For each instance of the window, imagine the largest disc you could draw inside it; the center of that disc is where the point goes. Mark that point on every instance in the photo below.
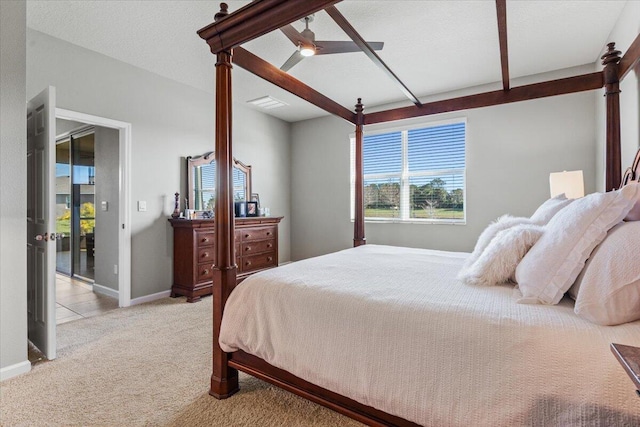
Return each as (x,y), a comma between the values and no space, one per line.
(415,174)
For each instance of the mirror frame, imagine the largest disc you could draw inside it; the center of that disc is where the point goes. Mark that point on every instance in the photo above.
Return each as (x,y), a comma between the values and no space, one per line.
(207,159)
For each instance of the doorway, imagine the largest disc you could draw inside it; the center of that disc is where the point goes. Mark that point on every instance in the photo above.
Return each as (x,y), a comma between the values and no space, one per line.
(112,220)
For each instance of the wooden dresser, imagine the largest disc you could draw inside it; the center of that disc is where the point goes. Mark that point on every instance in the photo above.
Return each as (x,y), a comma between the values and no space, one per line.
(194,252)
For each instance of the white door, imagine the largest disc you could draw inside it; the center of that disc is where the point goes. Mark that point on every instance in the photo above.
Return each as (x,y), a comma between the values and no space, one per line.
(41,224)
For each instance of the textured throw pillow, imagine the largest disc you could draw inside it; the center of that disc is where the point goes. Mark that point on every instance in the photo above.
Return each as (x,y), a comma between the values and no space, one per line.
(497,263)
(607,291)
(553,264)
(548,209)
(502,223)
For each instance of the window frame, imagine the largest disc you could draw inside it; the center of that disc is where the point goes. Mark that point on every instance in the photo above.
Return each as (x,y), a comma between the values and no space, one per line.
(405,175)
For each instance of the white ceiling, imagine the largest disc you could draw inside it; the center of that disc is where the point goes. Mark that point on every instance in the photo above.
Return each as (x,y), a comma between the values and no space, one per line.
(433,46)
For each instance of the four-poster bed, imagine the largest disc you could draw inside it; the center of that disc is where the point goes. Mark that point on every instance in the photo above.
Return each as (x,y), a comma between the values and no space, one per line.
(260,17)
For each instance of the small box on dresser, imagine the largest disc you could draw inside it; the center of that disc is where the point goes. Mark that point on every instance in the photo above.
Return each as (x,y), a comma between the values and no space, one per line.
(256,245)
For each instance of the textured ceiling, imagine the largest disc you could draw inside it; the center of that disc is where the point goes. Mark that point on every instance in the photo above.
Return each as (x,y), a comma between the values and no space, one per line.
(433,46)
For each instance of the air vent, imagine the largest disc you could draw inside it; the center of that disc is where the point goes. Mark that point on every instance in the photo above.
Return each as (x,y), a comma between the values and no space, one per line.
(267,103)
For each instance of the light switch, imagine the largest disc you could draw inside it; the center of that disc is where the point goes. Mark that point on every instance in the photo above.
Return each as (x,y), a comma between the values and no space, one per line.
(104,206)
(142,206)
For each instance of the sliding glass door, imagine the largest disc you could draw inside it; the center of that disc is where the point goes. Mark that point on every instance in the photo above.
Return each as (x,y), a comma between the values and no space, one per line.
(76,204)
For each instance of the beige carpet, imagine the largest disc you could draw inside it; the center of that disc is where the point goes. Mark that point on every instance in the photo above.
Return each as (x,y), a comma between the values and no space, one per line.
(146,365)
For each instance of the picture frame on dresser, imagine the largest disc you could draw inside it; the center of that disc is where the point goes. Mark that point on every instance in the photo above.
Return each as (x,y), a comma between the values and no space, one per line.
(252,209)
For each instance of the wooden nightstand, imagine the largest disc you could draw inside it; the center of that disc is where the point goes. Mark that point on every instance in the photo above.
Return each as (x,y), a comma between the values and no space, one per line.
(629,358)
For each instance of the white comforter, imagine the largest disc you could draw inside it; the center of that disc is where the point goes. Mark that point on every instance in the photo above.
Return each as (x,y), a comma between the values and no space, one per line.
(392,328)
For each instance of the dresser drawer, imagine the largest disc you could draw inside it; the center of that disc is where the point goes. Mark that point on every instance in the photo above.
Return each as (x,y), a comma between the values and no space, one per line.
(205,238)
(256,247)
(206,254)
(258,262)
(205,272)
(258,233)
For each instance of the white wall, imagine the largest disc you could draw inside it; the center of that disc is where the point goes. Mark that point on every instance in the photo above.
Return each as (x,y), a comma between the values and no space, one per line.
(13,199)
(511,149)
(169,121)
(626,30)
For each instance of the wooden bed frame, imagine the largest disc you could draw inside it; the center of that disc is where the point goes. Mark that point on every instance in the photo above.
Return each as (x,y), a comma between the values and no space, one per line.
(225,35)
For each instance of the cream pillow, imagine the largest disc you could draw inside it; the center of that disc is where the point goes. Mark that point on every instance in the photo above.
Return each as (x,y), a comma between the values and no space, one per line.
(548,209)
(553,264)
(634,213)
(502,223)
(607,291)
(497,263)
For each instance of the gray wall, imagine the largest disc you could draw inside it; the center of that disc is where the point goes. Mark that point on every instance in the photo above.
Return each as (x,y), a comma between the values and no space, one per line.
(13,196)
(106,189)
(169,121)
(63,126)
(511,149)
(625,31)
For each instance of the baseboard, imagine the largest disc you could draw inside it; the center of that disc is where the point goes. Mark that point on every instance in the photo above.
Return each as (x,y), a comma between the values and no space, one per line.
(15,370)
(284,263)
(149,298)
(103,290)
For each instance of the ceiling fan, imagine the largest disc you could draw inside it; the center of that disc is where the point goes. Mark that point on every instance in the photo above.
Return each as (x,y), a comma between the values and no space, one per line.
(308,46)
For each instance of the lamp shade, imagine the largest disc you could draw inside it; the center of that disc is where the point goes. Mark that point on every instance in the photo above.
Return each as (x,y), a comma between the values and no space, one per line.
(570,183)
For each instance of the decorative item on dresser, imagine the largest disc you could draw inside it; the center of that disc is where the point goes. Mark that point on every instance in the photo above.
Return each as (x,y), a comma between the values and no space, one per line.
(256,241)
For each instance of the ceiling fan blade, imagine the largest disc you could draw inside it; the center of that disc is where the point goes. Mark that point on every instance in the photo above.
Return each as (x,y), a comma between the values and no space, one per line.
(328,47)
(293,60)
(294,35)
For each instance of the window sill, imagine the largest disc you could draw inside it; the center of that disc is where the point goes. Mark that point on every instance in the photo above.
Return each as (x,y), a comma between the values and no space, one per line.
(413,221)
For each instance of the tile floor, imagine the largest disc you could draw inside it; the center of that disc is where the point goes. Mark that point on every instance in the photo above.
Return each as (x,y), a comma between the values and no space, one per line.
(75,300)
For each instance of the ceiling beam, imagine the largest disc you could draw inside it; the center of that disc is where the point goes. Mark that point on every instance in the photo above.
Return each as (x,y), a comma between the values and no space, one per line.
(522,93)
(362,44)
(501,8)
(255,19)
(261,68)
(630,59)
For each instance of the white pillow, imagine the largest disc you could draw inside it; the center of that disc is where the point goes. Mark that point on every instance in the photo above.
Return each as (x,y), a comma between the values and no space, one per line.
(607,291)
(497,264)
(548,209)
(553,264)
(634,213)
(502,223)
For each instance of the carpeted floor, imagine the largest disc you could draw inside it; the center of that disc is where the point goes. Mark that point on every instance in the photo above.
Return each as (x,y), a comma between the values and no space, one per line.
(147,365)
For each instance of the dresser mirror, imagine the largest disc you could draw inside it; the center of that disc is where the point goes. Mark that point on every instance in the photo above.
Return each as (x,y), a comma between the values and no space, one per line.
(201,181)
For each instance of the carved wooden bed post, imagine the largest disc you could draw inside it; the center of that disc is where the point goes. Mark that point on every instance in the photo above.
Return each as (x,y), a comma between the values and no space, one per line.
(358,225)
(224,380)
(610,61)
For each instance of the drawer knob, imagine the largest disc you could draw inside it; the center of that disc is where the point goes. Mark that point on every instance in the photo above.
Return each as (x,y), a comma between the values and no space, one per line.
(247,263)
(269,245)
(205,239)
(205,272)
(268,233)
(247,248)
(205,255)
(270,259)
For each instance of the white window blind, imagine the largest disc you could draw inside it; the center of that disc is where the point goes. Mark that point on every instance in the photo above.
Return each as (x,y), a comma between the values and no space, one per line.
(415,174)
(205,195)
